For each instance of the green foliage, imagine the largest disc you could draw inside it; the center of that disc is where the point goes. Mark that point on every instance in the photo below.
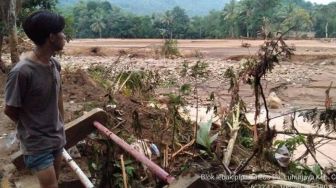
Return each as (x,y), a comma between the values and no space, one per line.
(290,143)
(69,30)
(130,172)
(170,49)
(200,69)
(230,14)
(231,75)
(203,135)
(249,18)
(40,4)
(185,89)
(137,82)
(180,22)
(298,19)
(319,118)
(98,73)
(2,28)
(148,7)
(98,23)
(185,68)
(308,174)
(30,6)
(245,137)
(176,100)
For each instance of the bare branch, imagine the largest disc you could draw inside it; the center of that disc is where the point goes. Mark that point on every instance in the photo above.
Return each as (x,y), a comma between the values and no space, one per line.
(306,134)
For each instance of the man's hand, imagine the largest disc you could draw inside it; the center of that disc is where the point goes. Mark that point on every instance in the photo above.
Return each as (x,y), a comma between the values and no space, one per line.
(12,113)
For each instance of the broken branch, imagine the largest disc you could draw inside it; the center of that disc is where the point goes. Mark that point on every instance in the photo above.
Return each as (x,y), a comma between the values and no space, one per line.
(183,147)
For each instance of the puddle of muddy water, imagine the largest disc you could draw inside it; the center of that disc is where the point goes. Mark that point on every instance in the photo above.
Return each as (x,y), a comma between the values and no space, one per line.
(324,153)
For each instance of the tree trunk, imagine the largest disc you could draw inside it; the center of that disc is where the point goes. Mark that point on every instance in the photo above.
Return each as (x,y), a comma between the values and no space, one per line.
(2,29)
(13,40)
(1,39)
(326,30)
(232,32)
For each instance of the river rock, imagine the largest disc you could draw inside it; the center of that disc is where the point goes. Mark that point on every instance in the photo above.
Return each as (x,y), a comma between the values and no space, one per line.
(273,101)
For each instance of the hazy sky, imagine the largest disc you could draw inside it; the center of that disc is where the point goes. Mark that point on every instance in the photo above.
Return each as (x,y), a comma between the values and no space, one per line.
(321,1)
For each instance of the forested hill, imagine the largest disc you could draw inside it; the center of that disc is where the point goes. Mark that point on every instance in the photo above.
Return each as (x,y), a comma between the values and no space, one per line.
(236,18)
(147,7)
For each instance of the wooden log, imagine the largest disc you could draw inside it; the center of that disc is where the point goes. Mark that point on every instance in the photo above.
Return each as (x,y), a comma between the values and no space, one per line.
(75,131)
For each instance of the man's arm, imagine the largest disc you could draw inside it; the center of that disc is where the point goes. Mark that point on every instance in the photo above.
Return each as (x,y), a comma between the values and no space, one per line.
(12,112)
(60,104)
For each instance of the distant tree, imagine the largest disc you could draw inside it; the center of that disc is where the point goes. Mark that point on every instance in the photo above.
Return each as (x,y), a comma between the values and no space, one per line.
(69,30)
(230,16)
(246,11)
(215,26)
(325,20)
(29,6)
(238,18)
(298,19)
(98,23)
(92,5)
(106,6)
(143,27)
(168,20)
(180,22)
(40,4)
(196,27)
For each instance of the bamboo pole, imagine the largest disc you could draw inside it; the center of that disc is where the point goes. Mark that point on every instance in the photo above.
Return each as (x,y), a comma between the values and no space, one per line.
(234,128)
(122,164)
(82,177)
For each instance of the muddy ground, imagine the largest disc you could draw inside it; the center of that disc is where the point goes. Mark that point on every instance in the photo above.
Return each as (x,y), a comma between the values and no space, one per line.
(300,82)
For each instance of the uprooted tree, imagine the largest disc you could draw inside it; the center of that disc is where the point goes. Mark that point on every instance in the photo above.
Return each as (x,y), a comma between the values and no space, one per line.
(11,13)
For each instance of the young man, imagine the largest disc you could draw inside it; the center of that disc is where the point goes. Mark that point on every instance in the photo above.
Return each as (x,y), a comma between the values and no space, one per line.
(34,98)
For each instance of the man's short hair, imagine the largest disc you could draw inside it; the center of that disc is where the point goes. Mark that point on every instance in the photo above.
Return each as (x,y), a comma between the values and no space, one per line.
(39,25)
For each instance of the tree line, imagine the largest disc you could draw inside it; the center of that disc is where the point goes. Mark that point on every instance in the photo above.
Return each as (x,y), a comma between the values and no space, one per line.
(244,18)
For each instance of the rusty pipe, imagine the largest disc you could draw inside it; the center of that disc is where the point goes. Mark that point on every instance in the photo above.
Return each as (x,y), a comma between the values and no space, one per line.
(154,168)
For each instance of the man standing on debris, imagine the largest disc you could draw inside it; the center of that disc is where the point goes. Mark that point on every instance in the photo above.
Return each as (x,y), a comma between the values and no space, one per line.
(34,98)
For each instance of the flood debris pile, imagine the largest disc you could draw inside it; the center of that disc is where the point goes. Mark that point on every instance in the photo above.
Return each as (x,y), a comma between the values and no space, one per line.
(212,145)
(189,130)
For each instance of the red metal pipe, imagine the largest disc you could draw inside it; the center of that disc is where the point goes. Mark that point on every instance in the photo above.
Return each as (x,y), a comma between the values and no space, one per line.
(154,168)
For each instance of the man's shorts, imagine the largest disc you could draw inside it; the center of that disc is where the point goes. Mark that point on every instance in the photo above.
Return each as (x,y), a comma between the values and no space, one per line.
(41,161)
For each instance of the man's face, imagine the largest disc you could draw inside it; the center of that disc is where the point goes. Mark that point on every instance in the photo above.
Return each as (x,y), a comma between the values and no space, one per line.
(58,40)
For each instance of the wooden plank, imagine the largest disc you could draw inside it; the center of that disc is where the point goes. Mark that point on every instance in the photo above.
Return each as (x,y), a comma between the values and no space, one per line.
(4,182)
(81,127)
(75,131)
